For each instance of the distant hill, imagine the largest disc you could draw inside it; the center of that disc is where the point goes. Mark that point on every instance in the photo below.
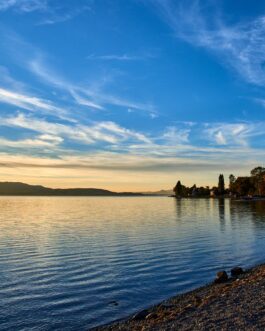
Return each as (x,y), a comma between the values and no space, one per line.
(161,192)
(16,188)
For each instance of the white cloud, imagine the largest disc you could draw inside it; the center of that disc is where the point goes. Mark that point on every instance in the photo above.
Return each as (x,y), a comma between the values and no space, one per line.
(122,132)
(233,133)
(108,132)
(219,138)
(226,147)
(28,102)
(28,143)
(51,138)
(175,135)
(84,101)
(241,45)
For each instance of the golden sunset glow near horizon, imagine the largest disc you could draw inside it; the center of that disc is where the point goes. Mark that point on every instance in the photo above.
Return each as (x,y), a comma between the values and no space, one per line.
(112,172)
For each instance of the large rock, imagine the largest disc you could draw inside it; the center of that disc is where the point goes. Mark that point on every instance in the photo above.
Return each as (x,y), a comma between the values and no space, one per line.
(221,277)
(237,271)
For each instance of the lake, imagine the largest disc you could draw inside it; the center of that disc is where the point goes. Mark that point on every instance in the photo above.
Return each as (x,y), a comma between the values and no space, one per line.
(74,263)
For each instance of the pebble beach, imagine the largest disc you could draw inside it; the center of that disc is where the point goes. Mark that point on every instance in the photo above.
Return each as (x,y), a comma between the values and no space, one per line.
(237,303)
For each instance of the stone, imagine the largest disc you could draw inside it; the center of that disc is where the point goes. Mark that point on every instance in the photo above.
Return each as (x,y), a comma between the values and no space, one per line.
(237,271)
(196,300)
(151,316)
(140,316)
(221,277)
(113,303)
(166,305)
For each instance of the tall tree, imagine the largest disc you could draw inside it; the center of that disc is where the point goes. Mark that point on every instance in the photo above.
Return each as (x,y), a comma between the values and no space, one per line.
(178,190)
(221,184)
(258,176)
(258,171)
(244,186)
(232,180)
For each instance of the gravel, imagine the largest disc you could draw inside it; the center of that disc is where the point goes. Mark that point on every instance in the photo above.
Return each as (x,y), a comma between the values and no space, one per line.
(238,304)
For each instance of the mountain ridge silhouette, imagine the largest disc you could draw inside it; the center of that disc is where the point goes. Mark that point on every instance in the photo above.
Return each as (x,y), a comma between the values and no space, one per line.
(22,189)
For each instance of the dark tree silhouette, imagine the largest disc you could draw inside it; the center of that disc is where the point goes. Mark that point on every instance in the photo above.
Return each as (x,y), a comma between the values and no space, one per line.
(258,176)
(232,180)
(258,171)
(221,184)
(250,186)
(178,189)
(244,186)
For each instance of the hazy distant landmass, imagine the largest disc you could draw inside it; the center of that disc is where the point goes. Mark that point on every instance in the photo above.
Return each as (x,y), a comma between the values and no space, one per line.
(16,188)
(161,192)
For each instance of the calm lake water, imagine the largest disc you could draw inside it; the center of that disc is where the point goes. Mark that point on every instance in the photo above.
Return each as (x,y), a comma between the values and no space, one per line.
(64,262)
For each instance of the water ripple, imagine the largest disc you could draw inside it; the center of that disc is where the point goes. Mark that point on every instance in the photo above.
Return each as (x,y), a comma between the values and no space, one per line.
(73,263)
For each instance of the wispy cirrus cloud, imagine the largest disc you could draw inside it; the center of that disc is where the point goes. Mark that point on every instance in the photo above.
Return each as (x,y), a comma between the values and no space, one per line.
(31,103)
(177,150)
(24,6)
(240,45)
(84,101)
(96,98)
(174,135)
(94,94)
(232,134)
(38,142)
(8,81)
(108,132)
(123,57)
(52,12)
(56,16)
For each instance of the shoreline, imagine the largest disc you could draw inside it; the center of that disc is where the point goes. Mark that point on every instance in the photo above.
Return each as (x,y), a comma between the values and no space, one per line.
(238,303)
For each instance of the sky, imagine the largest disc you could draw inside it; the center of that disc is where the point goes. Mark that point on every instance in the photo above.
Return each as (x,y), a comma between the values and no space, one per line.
(131,95)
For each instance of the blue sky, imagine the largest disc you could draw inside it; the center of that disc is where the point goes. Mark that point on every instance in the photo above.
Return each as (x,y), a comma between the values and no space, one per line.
(130,95)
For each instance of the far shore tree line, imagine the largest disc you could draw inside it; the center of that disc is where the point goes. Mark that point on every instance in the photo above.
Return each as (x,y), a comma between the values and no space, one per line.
(253,185)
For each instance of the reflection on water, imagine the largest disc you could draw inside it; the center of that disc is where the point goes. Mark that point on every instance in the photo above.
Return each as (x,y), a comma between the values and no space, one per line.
(222,216)
(65,261)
